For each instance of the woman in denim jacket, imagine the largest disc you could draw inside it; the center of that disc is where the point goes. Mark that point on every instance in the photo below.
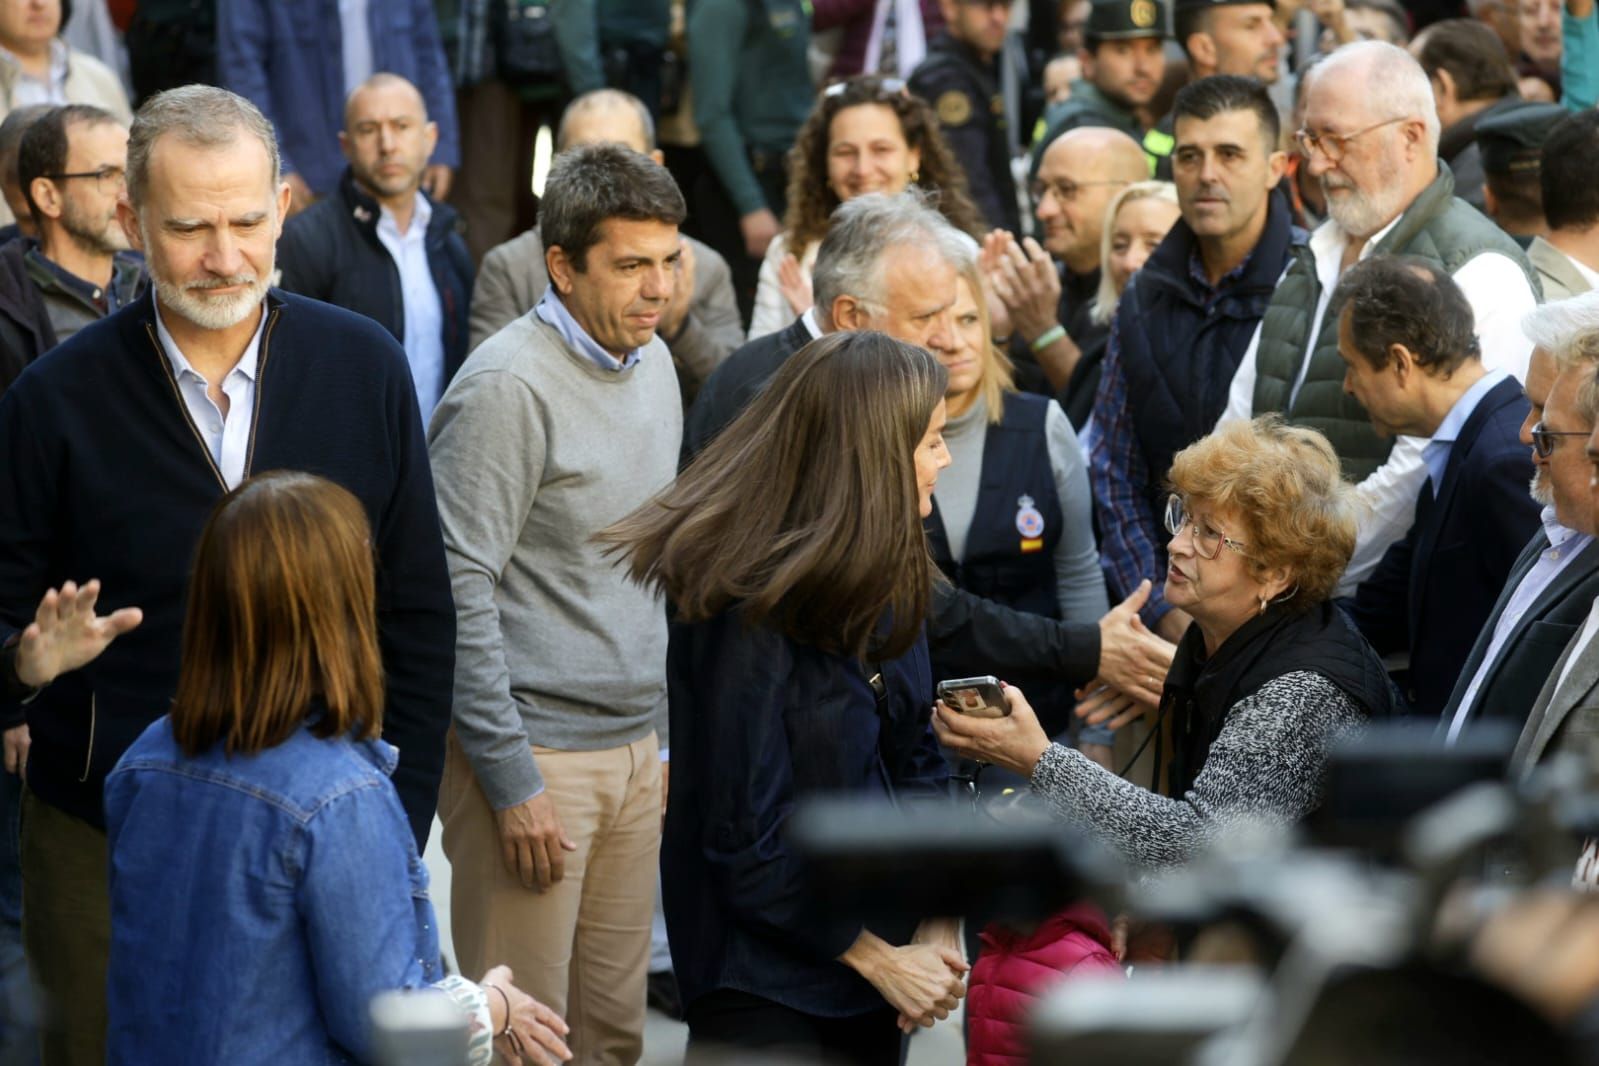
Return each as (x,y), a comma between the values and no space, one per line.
(264,883)
(793,556)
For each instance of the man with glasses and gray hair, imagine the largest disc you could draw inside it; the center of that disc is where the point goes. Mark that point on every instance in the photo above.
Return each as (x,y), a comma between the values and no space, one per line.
(70,167)
(1370,137)
(1555,580)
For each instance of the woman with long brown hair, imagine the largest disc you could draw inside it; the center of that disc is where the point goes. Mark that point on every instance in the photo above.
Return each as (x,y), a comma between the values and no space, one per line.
(265,885)
(865,135)
(793,556)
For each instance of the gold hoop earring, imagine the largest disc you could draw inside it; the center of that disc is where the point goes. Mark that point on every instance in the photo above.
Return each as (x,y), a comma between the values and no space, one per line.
(916,175)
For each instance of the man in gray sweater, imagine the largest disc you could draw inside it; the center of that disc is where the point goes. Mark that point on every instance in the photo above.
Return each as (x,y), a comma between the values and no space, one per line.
(560,424)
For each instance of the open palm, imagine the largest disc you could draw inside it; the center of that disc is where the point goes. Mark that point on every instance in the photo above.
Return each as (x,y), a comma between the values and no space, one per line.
(66,633)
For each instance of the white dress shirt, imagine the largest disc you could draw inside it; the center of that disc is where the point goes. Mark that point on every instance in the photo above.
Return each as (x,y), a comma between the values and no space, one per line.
(1564,545)
(423,312)
(226,436)
(1499,294)
(1589,275)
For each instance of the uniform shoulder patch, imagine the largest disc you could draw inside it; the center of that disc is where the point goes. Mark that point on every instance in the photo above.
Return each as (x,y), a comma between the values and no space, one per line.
(954,108)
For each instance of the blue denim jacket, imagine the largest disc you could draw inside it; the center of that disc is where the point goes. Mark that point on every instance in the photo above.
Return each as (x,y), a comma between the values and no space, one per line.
(759,724)
(259,902)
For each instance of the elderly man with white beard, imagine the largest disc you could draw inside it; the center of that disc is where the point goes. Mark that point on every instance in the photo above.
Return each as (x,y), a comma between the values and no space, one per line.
(120,442)
(1370,137)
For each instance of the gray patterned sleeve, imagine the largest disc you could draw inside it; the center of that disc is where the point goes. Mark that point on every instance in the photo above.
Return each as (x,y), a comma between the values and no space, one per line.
(1265,764)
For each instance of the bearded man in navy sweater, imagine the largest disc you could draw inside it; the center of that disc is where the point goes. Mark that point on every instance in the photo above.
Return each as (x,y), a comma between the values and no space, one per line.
(117,446)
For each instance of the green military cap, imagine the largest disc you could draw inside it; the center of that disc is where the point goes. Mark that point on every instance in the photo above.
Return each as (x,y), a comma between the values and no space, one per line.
(1113,20)
(1511,142)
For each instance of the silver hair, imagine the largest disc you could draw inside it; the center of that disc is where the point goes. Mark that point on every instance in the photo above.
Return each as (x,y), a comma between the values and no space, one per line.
(1394,82)
(600,100)
(1567,329)
(200,115)
(850,259)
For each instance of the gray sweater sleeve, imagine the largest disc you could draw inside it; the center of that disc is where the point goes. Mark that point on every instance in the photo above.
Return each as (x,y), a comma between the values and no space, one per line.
(1265,764)
(1079,582)
(486,442)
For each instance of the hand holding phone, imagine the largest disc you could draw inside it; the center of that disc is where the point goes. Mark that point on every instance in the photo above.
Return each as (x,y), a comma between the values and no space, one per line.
(979,697)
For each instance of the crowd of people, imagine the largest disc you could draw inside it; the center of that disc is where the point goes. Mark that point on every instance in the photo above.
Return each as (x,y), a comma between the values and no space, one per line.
(1224,376)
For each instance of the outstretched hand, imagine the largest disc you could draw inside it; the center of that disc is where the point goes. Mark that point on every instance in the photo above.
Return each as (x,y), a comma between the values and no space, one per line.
(66,633)
(1131,658)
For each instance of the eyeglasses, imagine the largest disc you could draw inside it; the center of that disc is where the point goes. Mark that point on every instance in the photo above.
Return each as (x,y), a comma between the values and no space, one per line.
(1544,440)
(1207,541)
(885,87)
(1065,191)
(108,179)
(1334,145)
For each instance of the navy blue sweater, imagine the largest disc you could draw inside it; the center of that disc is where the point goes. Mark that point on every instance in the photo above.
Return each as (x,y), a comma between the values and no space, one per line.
(761,723)
(103,475)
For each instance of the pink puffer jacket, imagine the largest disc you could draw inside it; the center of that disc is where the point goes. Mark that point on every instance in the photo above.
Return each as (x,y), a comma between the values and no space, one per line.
(1015,968)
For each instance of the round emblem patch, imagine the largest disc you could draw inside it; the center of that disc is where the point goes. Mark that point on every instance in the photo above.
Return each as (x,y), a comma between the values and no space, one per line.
(1029,523)
(954,107)
(1143,13)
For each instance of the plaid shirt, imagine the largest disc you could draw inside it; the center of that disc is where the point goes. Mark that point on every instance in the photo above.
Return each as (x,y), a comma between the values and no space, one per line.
(1132,546)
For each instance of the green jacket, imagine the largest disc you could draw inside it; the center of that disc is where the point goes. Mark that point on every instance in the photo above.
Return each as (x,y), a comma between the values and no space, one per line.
(752,85)
(1437,227)
(1090,107)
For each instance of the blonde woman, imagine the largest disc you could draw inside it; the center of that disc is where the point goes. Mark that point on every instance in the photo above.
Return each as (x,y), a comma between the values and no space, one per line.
(1012,518)
(1136,221)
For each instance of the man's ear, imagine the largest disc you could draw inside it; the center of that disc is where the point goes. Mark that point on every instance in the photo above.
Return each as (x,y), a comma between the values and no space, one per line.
(1201,49)
(285,199)
(559,267)
(129,218)
(430,133)
(848,313)
(47,196)
(344,145)
(1276,167)
(1402,361)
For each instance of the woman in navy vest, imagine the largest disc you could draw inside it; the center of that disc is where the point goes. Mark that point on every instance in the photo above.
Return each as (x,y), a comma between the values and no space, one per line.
(1012,517)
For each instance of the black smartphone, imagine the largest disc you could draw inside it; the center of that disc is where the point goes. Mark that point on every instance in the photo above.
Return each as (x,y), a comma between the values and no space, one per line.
(980,697)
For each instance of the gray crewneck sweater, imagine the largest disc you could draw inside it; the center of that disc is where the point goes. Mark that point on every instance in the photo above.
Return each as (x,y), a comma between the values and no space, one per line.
(535,449)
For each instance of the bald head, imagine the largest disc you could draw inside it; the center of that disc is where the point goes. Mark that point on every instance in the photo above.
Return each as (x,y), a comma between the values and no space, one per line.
(1081,171)
(606,116)
(1372,81)
(391,89)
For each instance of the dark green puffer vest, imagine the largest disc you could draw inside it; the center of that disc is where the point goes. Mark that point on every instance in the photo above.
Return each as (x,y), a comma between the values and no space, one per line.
(1437,227)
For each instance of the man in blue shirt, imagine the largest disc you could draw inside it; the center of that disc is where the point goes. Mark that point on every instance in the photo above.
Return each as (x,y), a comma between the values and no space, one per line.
(381,246)
(1412,358)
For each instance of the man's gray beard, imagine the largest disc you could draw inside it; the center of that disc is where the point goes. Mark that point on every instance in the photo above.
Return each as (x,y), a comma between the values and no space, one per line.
(1360,214)
(211,312)
(1542,492)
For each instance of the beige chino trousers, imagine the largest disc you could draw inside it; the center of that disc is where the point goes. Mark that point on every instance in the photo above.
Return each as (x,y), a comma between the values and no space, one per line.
(583,947)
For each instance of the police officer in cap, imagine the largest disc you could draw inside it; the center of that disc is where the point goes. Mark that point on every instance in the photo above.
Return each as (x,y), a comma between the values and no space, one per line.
(1238,37)
(1123,65)
(961,78)
(1511,144)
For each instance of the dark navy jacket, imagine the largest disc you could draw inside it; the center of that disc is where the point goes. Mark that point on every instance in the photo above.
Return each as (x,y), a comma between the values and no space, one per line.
(286,57)
(760,723)
(1180,346)
(1002,563)
(105,476)
(331,252)
(1434,589)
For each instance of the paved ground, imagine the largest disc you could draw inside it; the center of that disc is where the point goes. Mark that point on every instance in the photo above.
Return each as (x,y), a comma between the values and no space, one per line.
(663,1037)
